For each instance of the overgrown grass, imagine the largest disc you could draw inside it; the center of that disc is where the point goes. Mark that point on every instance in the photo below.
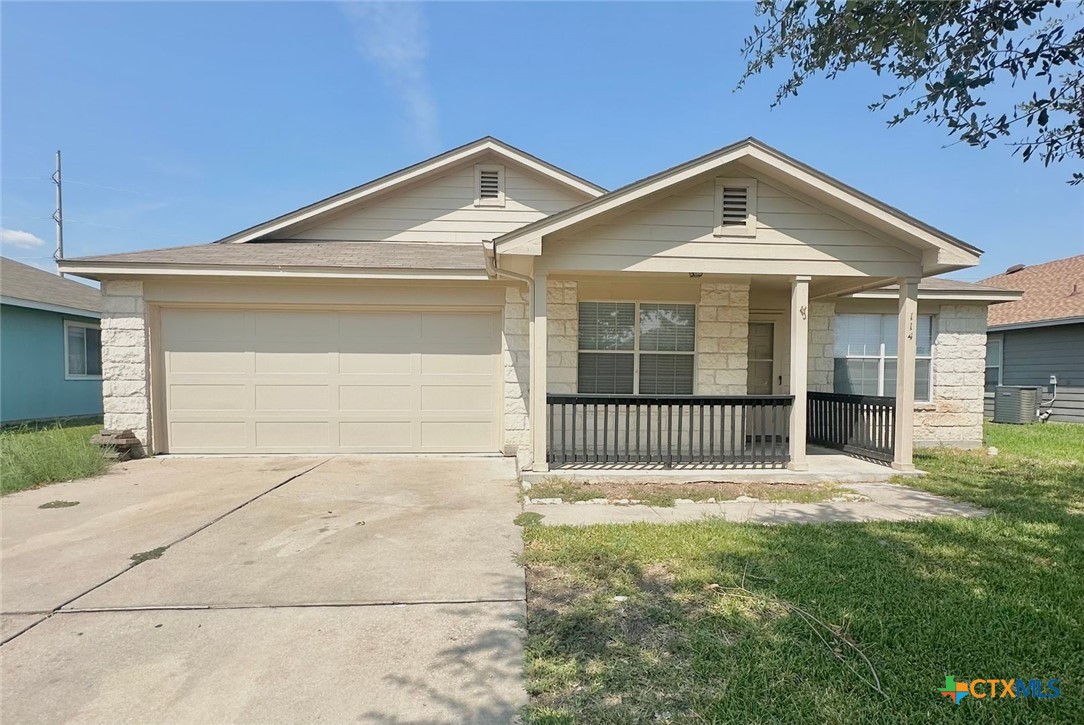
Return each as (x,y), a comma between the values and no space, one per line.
(708,632)
(665,494)
(31,457)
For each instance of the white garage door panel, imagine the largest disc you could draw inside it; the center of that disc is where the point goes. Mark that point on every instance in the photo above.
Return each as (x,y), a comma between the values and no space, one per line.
(290,381)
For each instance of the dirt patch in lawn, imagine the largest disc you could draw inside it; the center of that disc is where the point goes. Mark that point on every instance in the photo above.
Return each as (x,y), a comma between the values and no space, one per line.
(667,494)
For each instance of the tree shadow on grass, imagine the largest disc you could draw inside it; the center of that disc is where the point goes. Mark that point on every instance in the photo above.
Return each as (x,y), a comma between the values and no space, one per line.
(993,597)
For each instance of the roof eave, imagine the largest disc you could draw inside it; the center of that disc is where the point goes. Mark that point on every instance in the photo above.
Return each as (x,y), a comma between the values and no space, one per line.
(99,270)
(1079,319)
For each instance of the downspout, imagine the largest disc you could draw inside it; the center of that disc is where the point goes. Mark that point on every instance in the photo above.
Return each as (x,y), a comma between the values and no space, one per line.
(489,252)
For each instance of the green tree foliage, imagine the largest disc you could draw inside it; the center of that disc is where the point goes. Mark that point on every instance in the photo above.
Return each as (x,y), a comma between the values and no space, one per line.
(945,58)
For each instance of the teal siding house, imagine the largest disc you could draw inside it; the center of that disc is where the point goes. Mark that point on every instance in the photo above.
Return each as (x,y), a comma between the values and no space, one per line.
(50,346)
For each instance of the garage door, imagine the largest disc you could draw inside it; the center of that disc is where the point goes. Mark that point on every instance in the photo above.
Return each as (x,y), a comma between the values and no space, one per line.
(293,381)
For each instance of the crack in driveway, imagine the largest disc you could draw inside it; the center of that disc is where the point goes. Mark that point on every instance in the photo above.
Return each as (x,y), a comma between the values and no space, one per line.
(140,557)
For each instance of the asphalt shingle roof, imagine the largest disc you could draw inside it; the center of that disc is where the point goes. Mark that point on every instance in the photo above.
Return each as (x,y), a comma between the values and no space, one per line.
(330,254)
(1052,291)
(22,282)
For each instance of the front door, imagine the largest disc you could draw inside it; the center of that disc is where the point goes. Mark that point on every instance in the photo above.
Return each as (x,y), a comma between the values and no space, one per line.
(761,358)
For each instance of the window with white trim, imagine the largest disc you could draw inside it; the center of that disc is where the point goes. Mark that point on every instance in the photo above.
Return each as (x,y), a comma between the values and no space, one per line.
(735,207)
(82,350)
(489,185)
(994,351)
(866,354)
(636,348)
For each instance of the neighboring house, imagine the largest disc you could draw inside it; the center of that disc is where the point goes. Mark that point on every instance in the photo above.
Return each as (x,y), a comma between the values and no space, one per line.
(1040,336)
(487,301)
(50,346)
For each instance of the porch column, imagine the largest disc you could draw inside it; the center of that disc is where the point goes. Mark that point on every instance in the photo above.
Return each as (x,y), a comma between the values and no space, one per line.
(539,338)
(906,336)
(799,369)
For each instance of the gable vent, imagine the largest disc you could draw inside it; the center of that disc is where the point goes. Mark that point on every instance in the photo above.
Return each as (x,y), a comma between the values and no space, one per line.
(489,184)
(735,206)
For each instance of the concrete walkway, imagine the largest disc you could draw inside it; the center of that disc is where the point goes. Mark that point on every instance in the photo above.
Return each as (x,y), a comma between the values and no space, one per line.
(888,502)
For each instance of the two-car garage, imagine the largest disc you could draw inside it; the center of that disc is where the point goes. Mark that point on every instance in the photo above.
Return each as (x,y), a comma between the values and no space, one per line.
(307,379)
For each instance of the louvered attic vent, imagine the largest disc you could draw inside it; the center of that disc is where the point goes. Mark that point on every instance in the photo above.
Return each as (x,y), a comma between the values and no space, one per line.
(735,206)
(489,184)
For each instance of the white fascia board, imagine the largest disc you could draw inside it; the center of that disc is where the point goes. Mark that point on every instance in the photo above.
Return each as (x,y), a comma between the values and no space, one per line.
(1038,323)
(96,271)
(47,307)
(942,296)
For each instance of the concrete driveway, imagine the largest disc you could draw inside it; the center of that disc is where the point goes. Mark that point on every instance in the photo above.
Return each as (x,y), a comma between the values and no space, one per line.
(271,590)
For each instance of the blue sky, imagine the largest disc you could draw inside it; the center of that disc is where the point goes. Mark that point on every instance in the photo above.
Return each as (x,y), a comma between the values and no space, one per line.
(183,122)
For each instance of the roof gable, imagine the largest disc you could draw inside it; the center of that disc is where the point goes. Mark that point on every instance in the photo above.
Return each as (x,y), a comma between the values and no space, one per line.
(485,148)
(941,252)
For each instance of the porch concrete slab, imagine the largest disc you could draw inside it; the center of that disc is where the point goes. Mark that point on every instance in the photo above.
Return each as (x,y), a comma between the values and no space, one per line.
(419,664)
(355,530)
(50,556)
(15,624)
(824,466)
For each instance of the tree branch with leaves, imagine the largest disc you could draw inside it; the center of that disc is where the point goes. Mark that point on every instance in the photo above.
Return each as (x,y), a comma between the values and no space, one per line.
(945,58)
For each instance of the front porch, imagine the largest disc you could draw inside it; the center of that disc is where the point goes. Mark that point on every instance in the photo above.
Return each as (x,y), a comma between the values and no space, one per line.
(703,433)
(736,375)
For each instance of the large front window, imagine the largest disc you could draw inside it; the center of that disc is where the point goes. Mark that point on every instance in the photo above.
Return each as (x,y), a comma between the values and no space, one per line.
(866,353)
(636,348)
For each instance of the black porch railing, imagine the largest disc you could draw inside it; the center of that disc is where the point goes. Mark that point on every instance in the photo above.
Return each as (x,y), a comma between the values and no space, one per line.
(668,430)
(863,425)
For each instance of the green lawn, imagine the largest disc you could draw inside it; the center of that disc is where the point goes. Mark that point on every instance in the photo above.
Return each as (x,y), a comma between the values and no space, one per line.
(31,457)
(721,625)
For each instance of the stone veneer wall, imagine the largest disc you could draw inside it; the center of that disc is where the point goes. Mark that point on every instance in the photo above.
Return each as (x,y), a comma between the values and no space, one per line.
(516,356)
(125,398)
(822,360)
(563,336)
(722,338)
(954,416)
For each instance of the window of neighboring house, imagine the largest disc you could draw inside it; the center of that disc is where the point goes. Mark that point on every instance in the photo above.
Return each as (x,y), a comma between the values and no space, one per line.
(865,355)
(489,185)
(993,362)
(735,207)
(83,350)
(636,348)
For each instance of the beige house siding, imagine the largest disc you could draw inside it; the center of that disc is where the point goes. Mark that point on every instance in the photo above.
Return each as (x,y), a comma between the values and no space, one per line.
(954,416)
(125,397)
(722,338)
(676,234)
(443,210)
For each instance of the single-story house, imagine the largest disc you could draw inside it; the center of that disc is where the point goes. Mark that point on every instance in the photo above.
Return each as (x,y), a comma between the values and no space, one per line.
(50,346)
(1039,339)
(729,311)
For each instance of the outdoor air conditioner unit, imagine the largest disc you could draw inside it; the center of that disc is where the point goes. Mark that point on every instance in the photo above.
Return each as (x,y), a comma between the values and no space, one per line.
(1015,404)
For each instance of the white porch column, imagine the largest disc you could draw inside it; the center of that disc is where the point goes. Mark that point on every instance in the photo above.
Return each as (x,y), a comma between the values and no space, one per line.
(539,338)
(799,369)
(906,336)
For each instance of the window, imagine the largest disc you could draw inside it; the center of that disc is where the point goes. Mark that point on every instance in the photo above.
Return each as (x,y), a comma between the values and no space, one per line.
(865,355)
(993,362)
(82,350)
(489,185)
(735,207)
(630,348)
